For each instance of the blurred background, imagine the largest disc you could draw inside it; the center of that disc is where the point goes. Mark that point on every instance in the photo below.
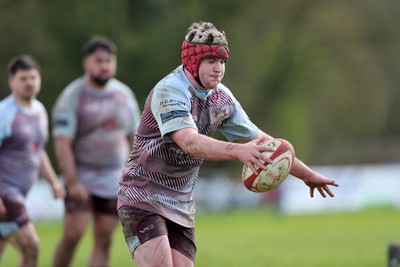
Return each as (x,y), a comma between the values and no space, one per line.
(323,74)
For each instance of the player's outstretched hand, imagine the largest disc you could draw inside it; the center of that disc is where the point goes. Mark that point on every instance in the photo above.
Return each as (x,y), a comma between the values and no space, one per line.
(321,184)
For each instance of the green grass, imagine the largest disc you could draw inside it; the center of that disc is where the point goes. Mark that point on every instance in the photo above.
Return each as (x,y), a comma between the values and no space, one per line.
(260,238)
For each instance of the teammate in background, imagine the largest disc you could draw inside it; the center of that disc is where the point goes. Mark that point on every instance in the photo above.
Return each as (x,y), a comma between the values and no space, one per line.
(155,200)
(94,122)
(393,255)
(23,136)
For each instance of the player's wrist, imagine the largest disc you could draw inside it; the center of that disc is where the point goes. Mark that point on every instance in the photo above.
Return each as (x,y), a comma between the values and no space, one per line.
(71,182)
(233,151)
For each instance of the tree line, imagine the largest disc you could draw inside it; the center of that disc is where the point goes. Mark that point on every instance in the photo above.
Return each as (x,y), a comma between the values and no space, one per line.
(322,74)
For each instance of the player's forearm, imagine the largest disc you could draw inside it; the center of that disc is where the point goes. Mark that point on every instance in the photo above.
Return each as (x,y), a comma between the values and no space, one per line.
(301,170)
(212,149)
(65,159)
(204,147)
(46,171)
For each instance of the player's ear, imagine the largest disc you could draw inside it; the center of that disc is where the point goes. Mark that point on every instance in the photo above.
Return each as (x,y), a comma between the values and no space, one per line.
(10,82)
(85,62)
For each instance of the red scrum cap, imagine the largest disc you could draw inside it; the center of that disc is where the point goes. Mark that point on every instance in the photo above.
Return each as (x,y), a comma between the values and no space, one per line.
(203,40)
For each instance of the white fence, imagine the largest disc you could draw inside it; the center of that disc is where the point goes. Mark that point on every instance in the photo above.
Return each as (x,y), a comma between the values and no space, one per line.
(360,186)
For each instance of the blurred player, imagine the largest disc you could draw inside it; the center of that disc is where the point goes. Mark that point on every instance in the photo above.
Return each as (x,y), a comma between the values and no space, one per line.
(23,136)
(94,121)
(155,199)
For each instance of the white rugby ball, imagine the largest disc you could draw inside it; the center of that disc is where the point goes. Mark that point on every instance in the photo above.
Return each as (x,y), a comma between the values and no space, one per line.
(276,172)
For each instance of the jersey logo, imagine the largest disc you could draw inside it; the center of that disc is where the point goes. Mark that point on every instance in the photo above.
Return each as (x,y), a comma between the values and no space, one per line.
(35,147)
(147,228)
(173,114)
(110,124)
(61,122)
(218,113)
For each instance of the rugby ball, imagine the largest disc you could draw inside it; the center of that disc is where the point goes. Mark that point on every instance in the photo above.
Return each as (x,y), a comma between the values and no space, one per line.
(282,157)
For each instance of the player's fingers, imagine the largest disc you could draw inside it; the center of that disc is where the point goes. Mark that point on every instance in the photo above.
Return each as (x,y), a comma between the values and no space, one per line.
(264,159)
(321,192)
(326,188)
(311,191)
(259,165)
(267,148)
(334,184)
(253,168)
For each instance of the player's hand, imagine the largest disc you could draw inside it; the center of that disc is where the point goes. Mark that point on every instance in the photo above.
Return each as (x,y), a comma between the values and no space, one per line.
(77,192)
(2,208)
(58,190)
(251,153)
(321,184)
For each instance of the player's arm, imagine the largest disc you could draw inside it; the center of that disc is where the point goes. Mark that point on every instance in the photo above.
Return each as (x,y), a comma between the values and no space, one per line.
(201,146)
(47,172)
(312,179)
(2,207)
(261,136)
(131,139)
(66,162)
(309,177)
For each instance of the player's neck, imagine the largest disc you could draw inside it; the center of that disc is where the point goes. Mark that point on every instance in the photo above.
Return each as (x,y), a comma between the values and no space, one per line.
(193,81)
(90,83)
(24,102)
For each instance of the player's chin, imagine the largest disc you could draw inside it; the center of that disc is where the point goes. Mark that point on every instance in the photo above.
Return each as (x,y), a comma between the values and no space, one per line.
(212,84)
(101,80)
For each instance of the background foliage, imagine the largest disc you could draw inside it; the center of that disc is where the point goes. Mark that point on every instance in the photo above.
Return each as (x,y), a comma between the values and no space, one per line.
(323,74)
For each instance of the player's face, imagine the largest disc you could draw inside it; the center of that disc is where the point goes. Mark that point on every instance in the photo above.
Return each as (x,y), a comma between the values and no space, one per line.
(211,72)
(25,84)
(100,66)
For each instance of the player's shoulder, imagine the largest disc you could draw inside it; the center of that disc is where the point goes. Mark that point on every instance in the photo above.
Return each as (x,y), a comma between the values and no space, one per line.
(117,85)
(8,109)
(74,87)
(173,84)
(4,102)
(222,89)
(7,104)
(38,105)
(114,82)
(72,90)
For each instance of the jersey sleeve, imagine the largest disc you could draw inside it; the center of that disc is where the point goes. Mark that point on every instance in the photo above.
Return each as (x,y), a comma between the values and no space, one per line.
(64,117)
(239,126)
(171,109)
(7,114)
(134,110)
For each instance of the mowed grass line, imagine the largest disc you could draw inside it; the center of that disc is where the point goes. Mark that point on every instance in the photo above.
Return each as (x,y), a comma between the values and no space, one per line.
(259,238)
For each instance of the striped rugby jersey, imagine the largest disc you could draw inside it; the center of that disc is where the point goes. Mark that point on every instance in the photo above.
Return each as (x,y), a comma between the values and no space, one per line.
(159,176)
(23,136)
(98,122)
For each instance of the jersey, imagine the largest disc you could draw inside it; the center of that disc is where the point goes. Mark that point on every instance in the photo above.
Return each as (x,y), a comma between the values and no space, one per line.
(159,176)
(23,136)
(98,122)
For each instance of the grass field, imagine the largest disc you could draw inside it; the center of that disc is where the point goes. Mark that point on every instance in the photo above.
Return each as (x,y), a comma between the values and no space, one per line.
(259,238)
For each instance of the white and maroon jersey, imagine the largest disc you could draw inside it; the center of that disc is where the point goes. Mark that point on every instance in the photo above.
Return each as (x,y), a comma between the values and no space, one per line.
(23,135)
(99,122)
(159,176)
